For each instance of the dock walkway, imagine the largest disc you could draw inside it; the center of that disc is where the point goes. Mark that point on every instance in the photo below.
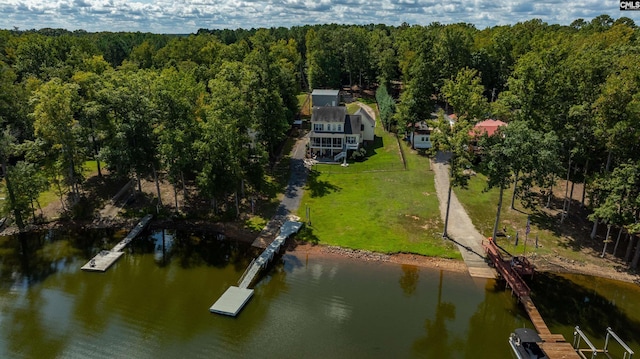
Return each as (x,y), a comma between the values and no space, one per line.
(234,299)
(105,259)
(555,346)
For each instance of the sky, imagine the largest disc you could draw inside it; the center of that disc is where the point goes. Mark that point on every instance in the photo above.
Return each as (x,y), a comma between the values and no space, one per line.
(187,16)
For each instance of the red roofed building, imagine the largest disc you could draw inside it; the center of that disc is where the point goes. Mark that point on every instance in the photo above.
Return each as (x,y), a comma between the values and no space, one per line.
(489,127)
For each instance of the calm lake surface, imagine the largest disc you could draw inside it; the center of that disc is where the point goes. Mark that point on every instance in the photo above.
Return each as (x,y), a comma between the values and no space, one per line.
(153,303)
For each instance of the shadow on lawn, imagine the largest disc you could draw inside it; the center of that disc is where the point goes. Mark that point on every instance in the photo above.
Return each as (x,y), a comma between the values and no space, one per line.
(319,188)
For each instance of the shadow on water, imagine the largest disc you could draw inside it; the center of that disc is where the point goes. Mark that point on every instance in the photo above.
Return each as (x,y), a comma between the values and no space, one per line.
(29,258)
(562,302)
(192,249)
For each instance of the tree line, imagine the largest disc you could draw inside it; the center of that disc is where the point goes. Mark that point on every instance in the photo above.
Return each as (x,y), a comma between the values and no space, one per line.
(213,107)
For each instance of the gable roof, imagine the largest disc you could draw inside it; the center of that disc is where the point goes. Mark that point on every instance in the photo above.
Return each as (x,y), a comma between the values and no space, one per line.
(352,125)
(329,114)
(489,127)
(319,92)
(365,116)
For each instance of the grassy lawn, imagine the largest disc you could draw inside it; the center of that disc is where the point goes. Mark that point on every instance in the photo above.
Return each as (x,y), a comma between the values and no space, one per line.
(90,168)
(376,205)
(481,207)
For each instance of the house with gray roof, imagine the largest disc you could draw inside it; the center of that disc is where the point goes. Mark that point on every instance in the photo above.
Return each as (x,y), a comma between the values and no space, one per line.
(334,132)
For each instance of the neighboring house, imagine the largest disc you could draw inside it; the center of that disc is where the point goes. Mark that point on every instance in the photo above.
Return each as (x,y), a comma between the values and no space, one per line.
(489,127)
(325,98)
(333,132)
(420,136)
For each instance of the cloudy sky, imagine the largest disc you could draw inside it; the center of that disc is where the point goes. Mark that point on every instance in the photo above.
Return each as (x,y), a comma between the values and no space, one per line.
(187,16)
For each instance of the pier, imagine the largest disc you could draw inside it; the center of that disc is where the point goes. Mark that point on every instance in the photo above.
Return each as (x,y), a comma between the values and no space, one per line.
(235,298)
(555,346)
(105,259)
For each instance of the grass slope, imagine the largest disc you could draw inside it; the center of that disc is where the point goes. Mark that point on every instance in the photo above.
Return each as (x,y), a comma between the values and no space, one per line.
(376,205)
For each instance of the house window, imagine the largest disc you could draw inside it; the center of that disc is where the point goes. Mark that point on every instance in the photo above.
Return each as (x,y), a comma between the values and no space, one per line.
(316,141)
(351,140)
(319,127)
(337,142)
(326,142)
(340,127)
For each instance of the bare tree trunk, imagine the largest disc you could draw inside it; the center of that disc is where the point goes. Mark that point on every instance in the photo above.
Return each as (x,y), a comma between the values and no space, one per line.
(615,248)
(584,187)
(566,193)
(184,187)
(139,182)
(606,240)
(242,188)
(237,205)
(155,178)
(627,255)
(550,193)
(570,197)
(594,230)
(636,257)
(515,188)
(608,162)
(12,196)
(175,195)
(497,223)
(99,167)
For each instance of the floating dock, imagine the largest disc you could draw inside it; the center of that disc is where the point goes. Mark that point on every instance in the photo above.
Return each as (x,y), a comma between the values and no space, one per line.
(105,259)
(234,299)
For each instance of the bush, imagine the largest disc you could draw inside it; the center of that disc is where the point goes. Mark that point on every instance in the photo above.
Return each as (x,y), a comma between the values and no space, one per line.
(359,154)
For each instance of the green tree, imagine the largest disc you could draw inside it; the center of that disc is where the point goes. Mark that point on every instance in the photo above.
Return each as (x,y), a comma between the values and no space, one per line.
(57,127)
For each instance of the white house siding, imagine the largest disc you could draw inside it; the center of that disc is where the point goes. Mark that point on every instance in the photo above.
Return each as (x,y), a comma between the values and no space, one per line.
(420,141)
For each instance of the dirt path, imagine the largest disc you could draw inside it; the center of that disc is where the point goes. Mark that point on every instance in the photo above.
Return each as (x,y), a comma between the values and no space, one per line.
(460,229)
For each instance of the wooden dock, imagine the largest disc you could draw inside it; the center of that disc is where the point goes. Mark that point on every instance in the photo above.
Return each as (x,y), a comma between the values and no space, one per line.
(555,346)
(105,259)
(234,299)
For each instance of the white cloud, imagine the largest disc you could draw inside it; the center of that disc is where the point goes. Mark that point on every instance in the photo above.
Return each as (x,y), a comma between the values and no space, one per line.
(184,16)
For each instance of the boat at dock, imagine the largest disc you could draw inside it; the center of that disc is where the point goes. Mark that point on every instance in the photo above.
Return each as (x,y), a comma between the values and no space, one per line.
(525,343)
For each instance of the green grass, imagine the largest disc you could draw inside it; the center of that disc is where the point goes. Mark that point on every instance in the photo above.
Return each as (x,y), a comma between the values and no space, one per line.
(482,206)
(89,168)
(376,205)
(301,99)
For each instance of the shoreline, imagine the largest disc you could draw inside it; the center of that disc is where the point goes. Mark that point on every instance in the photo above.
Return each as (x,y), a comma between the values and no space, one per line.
(542,264)
(235,231)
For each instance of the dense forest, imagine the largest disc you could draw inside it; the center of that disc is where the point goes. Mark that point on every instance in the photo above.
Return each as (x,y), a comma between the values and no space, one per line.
(214,107)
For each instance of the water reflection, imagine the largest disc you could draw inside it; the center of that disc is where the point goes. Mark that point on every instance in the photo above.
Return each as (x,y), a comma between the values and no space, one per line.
(153,303)
(437,343)
(409,279)
(591,303)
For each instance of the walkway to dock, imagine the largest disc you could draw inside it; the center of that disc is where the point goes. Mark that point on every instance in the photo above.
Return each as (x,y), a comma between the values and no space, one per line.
(460,229)
(105,259)
(554,345)
(234,299)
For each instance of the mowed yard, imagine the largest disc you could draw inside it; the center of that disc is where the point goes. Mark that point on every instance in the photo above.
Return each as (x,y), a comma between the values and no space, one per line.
(376,205)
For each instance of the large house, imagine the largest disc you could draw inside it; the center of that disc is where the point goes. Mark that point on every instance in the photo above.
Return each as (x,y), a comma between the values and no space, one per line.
(334,132)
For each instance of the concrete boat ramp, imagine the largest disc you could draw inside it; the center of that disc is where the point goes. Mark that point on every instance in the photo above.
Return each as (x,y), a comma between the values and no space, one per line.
(105,259)
(234,299)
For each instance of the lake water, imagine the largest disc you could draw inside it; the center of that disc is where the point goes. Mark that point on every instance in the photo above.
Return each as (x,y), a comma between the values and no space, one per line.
(153,303)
